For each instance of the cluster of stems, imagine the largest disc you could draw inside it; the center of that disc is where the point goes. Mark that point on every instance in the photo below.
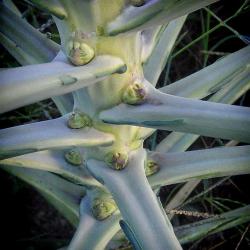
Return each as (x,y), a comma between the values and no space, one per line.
(102,79)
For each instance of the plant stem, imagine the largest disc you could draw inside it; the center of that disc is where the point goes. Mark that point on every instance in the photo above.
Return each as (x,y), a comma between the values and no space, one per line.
(149,228)
(91,233)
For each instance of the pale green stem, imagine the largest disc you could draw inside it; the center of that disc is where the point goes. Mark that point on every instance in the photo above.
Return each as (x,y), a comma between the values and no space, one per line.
(52,79)
(64,103)
(152,13)
(188,188)
(25,57)
(22,57)
(150,38)
(92,233)
(52,6)
(149,229)
(163,111)
(213,77)
(208,81)
(50,134)
(229,94)
(200,164)
(157,60)
(79,18)
(53,161)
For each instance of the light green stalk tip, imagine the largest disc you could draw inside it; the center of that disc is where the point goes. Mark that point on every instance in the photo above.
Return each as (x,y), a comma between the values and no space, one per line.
(73,157)
(137,3)
(134,94)
(102,208)
(116,160)
(79,120)
(151,168)
(81,53)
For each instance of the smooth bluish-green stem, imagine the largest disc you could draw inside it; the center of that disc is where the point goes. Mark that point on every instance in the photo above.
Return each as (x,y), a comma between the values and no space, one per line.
(132,193)
(22,57)
(200,164)
(49,134)
(53,7)
(161,50)
(152,13)
(176,141)
(92,233)
(167,112)
(52,79)
(213,77)
(53,161)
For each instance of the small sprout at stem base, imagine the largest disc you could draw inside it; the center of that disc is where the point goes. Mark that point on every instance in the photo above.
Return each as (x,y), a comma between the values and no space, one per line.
(116,160)
(81,54)
(134,94)
(102,208)
(79,120)
(151,168)
(74,157)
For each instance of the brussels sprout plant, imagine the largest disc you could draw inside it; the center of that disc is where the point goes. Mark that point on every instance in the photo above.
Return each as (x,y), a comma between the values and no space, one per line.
(90,163)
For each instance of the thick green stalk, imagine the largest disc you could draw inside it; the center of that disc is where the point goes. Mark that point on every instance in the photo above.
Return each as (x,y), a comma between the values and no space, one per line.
(79,19)
(45,135)
(228,94)
(158,58)
(22,57)
(163,111)
(55,162)
(200,164)
(25,57)
(152,13)
(52,79)
(213,77)
(92,233)
(52,6)
(149,229)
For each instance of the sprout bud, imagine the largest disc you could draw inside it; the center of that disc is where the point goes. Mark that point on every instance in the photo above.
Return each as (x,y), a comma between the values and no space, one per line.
(137,3)
(73,157)
(116,160)
(151,168)
(81,53)
(134,94)
(100,30)
(102,208)
(79,120)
